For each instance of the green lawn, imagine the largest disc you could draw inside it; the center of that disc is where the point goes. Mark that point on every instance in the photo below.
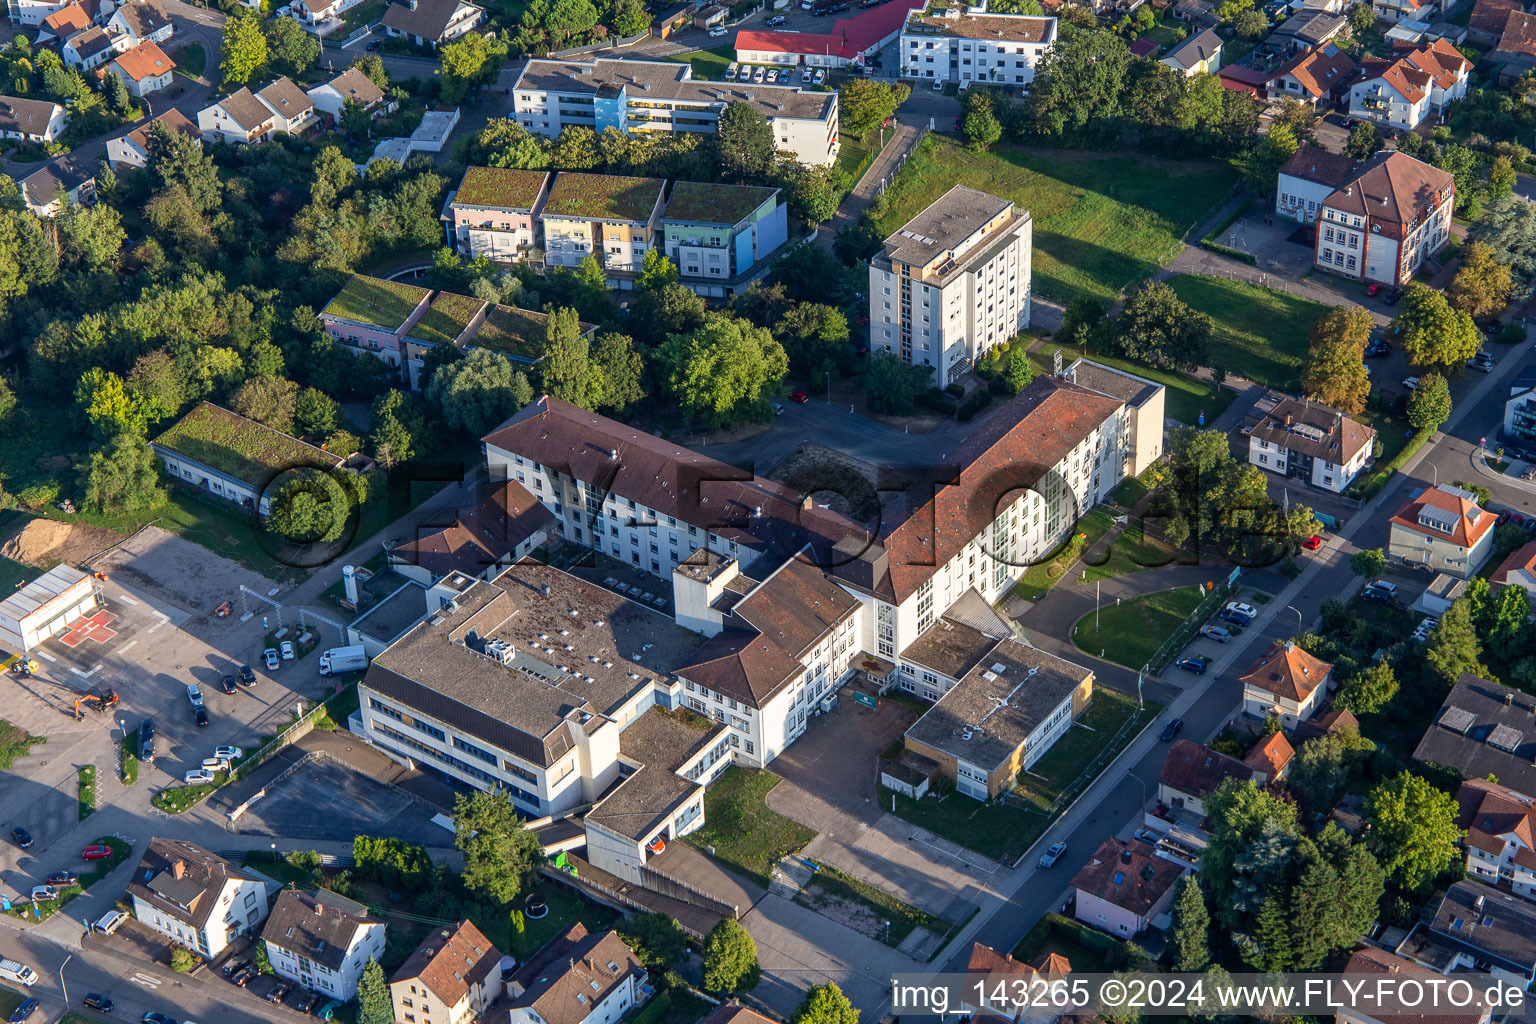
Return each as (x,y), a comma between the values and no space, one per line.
(1187,397)
(1130,552)
(707,64)
(9,1000)
(86,785)
(15,742)
(746,835)
(1003,830)
(1085,948)
(190,60)
(566,907)
(855,154)
(1130,633)
(1261,333)
(1043,575)
(1094,739)
(363,13)
(1101,220)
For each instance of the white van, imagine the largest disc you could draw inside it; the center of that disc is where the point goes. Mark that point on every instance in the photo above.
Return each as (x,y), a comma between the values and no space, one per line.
(110,922)
(19,973)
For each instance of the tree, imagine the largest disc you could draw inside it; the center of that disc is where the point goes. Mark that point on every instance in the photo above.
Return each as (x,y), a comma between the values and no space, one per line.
(1370,563)
(1361,18)
(1430,404)
(1501,177)
(815,337)
(567,368)
(310,508)
(656,271)
(372,66)
(723,371)
(744,142)
(1481,287)
(1079,82)
(1300,118)
(1507,631)
(1453,648)
(892,385)
(864,104)
(817,191)
(982,128)
(1020,373)
(468,61)
(621,370)
(1250,24)
(1508,228)
(243,50)
(176,159)
(657,939)
(373,1002)
(393,438)
(356,119)
(825,1004)
(499,851)
(1266,157)
(1435,336)
(1335,372)
(1369,690)
(315,413)
(289,47)
(730,959)
(630,18)
(108,405)
(92,235)
(1188,938)
(1156,327)
(476,393)
(183,960)
(1317,772)
(1364,141)
(123,475)
(269,400)
(1413,830)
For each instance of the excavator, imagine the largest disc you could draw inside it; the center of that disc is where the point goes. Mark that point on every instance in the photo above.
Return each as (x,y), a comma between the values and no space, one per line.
(101,700)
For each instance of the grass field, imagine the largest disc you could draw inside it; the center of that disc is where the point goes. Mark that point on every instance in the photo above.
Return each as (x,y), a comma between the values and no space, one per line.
(1100,220)
(707,64)
(1130,552)
(1186,398)
(1261,333)
(746,835)
(855,154)
(1130,633)
(1043,575)
(15,742)
(190,60)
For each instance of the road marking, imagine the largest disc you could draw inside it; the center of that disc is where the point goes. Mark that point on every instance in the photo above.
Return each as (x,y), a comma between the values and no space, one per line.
(86,675)
(46,655)
(126,646)
(156,626)
(127,600)
(148,981)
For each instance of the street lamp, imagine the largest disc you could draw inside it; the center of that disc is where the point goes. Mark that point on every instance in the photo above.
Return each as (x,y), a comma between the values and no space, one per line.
(63,986)
(274,853)
(1300,626)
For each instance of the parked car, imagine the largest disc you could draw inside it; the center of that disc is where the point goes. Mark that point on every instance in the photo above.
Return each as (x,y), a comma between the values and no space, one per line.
(718,31)
(1194,663)
(244,976)
(44,892)
(373,44)
(1049,858)
(246,675)
(1235,617)
(99,1002)
(194,695)
(1312,543)
(1372,289)
(821,73)
(307,1002)
(1243,609)
(62,879)
(1378,350)
(215,764)
(758,73)
(154,1017)
(1216,633)
(1172,729)
(229,753)
(1389,588)
(777,19)
(1482,361)
(147,741)
(1410,382)
(778,408)
(22,837)
(24,1010)
(1394,297)
(200,716)
(278,991)
(97,852)
(270,657)
(228,684)
(287,648)
(233,966)
(799,396)
(328,1011)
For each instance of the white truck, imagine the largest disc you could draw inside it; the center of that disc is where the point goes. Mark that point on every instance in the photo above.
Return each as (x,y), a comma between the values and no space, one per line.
(343,659)
(20,973)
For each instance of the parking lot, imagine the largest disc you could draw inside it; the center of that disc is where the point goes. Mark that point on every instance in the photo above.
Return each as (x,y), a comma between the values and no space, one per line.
(326,799)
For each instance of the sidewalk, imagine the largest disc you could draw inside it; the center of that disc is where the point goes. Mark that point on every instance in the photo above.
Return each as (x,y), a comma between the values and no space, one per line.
(898,147)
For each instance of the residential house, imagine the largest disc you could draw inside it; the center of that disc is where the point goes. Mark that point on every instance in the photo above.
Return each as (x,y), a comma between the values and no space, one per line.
(1443,529)
(971,46)
(1519,406)
(1308,178)
(67,176)
(504,524)
(431,22)
(1125,888)
(1002,716)
(1517,569)
(322,941)
(1515,52)
(732,1012)
(372,315)
(721,237)
(292,109)
(577,978)
(196,899)
(31,120)
(331,97)
(143,69)
(952,283)
(239,117)
(449,319)
(610,217)
(1487,930)
(1192,772)
(132,149)
(1329,723)
(1312,443)
(318,12)
(1368,960)
(1321,75)
(1393,11)
(1270,759)
(1387,220)
(1141,443)
(31,13)
(233,457)
(1488,19)
(1411,86)
(93,48)
(797,49)
(989,1000)
(638,96)
(1286,682)
(1307,29)
(141,21)
(63,23)
(1197,54)
(1500,826)
(451,978)
(1484,729)
(495,213)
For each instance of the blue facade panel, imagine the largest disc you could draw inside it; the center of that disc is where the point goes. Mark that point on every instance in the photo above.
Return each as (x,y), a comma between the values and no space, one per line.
(608,112)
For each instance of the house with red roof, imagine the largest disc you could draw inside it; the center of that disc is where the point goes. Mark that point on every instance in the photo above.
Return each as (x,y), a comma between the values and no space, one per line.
(1047,972)
(1500,842)
(1402,91)
(1518,569)
(1319,75)
(1385,220)
(1394,11)
(1286,682)
(1125,887)
(1270,758)
(814,49)
(1192,772)
(143,69)
(1443,529)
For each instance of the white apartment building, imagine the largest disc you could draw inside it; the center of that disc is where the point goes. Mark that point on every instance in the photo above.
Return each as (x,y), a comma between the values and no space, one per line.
(578,978)
(193,898)
(1386,219)
(1405,90)
(1500,842)
(321,941)
(637,96)
(952,283)
(1308,442)
(969,45)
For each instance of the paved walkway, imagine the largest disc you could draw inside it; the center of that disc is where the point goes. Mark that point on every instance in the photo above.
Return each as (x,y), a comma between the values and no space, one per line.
(903,140)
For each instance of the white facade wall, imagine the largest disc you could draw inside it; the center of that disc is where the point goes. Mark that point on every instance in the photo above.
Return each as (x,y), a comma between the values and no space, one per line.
(1328,476)
(985,61)
(1493,869)
(609,1010)
(1375,100)
(1299,199)
(241,907)
(367,944)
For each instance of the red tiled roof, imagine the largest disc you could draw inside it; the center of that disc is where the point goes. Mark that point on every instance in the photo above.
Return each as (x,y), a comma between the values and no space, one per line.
(1471,522)
(793,42)
(1128,875)
(172,120)
(448,962)
(146,60)
(1271,756)
(1491,15)
(481,535)
(1393,189)
(1319,70)
(1379,961)
(986,960)
(1198,770)
(1522,559)
(1488,810)
(66,21)
(1519,34)
(863,31)
(1288,671)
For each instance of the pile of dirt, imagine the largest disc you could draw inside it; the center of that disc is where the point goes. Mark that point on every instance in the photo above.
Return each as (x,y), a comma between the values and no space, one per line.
(47,542)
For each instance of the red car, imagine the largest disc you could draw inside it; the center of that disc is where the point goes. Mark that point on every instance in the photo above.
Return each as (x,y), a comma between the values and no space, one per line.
(1372,289)
(1312,543)
(799,396)
(96,853)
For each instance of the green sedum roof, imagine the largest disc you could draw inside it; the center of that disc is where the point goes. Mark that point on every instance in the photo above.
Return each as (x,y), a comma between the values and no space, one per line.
(603,197)
(446,318)
(380,303)
(706,202)
(240,448)
(502,187)
(516,333)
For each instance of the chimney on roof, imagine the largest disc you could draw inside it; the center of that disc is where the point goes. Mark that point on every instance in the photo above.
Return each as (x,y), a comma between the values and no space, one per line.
(1509,702)
(318,908)
(805,502)
(1479,904)
(1125,856)
(179,868)
(543,589)
(613,455)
